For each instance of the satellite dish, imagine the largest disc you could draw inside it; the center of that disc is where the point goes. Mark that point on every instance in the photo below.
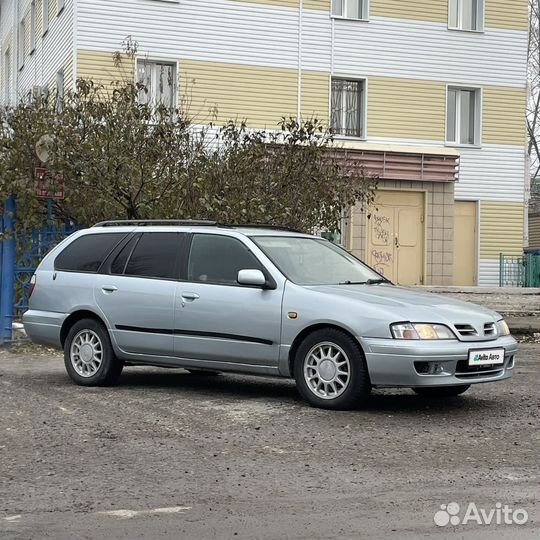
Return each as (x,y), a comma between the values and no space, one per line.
(43,146)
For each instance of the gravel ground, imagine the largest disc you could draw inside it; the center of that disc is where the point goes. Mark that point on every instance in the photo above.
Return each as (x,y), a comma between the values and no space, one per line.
(171,455)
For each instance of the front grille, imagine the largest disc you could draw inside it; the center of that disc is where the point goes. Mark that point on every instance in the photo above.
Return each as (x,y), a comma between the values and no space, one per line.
(466,330)
(490,329)
(464,371)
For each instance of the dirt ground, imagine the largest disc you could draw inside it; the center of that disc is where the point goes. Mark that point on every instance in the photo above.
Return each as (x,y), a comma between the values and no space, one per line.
(171,455)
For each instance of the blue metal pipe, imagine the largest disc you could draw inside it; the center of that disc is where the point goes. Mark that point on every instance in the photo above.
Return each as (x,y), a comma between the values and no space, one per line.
(7,283)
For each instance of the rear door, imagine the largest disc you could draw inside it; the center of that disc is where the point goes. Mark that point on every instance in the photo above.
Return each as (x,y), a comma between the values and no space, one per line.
(138,291)
(218,319)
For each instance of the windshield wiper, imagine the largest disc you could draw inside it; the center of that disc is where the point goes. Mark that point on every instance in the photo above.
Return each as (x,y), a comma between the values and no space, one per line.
(368,282)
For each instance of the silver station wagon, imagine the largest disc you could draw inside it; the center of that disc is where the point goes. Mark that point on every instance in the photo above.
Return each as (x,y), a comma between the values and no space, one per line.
(260,300)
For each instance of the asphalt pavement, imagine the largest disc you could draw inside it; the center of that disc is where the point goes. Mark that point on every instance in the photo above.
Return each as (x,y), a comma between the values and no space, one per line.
(169,455)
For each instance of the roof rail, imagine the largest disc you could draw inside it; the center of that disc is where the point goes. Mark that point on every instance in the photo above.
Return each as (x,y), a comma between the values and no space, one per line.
(149,222)
(265,226)
(193,223)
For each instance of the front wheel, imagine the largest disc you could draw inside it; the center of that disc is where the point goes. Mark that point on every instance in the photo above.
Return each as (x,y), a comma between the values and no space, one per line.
(331,371)
(442,391)
(89,356)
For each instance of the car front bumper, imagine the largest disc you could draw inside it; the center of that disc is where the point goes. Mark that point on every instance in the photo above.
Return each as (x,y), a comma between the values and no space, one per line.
(393,362)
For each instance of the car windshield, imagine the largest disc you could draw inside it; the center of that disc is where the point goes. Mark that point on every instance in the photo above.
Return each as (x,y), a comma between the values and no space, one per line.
(314,261)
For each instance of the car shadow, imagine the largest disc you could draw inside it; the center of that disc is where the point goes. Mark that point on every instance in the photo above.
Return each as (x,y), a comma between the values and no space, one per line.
(243,387)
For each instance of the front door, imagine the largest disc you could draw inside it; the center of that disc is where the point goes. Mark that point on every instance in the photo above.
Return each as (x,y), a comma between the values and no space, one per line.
(217,319)
(396,236)
(465,249)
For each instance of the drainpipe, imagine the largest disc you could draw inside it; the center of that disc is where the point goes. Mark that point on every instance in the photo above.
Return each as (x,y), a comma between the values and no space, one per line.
(300,32)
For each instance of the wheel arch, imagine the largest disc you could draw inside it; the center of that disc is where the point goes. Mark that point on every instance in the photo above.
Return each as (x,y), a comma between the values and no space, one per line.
(75,317)
(309,330)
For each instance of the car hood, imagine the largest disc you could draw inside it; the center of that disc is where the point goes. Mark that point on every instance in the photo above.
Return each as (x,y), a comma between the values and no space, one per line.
(410,304)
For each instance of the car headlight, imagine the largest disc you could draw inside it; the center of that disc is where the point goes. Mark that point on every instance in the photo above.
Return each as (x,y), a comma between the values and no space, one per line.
(421,331)
(502,328)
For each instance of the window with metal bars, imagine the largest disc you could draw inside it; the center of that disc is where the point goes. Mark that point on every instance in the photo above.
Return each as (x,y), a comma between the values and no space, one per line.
(348,107)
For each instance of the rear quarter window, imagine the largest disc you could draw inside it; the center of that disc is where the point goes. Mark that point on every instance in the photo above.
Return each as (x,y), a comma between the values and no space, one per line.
(86,253)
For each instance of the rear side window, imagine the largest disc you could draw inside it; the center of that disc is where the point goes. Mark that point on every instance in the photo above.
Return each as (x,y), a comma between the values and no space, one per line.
(218,259)
(85,254)
(157,255)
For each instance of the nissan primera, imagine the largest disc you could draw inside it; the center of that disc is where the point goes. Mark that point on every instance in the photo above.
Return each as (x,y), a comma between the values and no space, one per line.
(257,300)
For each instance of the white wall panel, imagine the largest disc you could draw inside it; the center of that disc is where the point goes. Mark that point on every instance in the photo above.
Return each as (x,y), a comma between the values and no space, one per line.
(488,275)
(495,173)
(422,50)
(218,30)
(259,34)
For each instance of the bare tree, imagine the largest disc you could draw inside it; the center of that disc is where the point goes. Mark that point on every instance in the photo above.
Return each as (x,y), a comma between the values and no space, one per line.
(533,109)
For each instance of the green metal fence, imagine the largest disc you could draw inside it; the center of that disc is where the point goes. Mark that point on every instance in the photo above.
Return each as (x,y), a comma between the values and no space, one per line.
(522,271)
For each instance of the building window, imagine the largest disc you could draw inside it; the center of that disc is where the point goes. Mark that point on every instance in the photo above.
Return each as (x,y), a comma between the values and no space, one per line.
(59,90)
(32,26)
(466,15)
(45,16)
(348,107)
(350,9)
(20,44)
(158,80)
(61,5)
(463,116)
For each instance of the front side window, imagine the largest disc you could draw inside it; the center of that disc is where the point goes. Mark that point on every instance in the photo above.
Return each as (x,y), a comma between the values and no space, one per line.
(158,80)
(348,107)
(156,255)
(463,116)
(350,9)
(313,261)
(86,253)
(466,15)
(218,259)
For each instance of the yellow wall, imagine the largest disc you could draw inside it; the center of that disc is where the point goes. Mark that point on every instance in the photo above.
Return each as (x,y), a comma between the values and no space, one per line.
(504,111)
(100,67)
(501,229)
(406,108)
(220,92)
(512,15)
(534,231)
(315,95)
(397,108)
(421,10)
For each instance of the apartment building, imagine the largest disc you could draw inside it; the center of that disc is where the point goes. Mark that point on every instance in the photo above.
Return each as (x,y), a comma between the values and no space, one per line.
(430,95)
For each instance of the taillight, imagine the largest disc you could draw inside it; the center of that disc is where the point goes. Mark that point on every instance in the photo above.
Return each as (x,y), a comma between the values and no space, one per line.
(32,285)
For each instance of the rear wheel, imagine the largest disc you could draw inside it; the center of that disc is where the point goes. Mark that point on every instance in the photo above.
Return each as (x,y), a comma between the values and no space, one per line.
(330,370)
(88,355)
(442,391)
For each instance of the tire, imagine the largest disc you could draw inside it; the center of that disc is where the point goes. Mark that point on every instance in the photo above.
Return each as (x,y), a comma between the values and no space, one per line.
(442,391)
(316,367)
(88,355)
(203,372)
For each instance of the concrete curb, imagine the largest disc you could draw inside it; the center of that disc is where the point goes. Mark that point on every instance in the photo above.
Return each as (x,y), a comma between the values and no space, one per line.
(524,326)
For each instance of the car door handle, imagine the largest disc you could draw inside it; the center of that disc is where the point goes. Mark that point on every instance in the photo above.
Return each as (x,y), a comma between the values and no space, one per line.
(190,296)
(109,289)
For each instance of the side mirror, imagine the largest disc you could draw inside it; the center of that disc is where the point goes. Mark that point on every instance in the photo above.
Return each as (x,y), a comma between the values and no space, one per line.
(255,278)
